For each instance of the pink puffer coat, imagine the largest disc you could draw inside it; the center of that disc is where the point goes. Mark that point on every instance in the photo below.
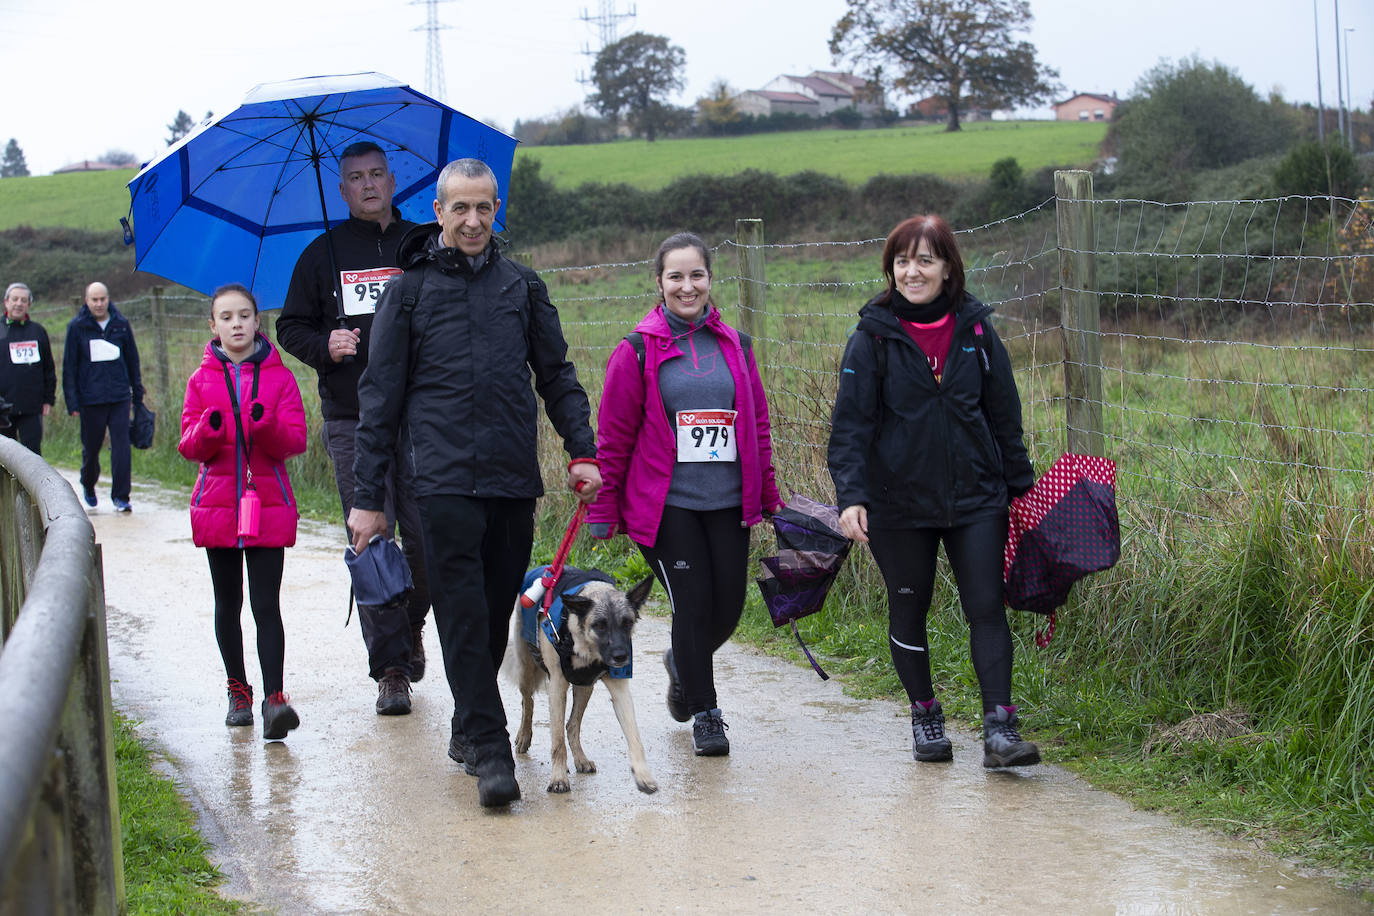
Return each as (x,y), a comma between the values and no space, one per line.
(279,432)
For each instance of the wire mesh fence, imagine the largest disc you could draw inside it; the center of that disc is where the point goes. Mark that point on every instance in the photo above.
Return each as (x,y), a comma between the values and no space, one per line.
(1234,338)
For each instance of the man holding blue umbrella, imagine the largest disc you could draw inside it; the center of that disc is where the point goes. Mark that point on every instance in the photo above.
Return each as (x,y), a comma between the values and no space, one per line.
(326,323)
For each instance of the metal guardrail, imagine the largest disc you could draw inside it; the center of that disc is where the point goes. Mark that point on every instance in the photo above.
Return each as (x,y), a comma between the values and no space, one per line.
(59,811)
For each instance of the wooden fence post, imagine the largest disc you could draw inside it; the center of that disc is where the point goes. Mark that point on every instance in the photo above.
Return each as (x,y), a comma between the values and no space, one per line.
(753,310)
(1073,192)
(161,359)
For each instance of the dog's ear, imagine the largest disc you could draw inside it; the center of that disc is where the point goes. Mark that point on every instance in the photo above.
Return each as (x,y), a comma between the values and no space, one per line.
(578,604)
(640,593)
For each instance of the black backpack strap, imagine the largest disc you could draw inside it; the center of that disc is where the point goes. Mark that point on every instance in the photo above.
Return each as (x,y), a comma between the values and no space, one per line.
(636,341)
(982,348)
(411,282)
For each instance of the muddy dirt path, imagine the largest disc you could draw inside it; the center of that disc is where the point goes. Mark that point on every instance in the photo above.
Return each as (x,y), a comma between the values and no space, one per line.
(819,807)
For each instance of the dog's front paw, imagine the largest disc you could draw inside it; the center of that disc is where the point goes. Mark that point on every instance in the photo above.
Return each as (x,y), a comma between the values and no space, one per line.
(646,785)
(559,787)
(522,742)
(585,766)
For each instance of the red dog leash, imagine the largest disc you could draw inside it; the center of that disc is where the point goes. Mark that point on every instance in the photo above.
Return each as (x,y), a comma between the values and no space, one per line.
(543,586)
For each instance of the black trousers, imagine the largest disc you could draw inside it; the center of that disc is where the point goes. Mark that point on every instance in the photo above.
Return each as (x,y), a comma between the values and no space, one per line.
(702,560)
(477,552)
(264,595)
(386,630)
(28,430)
(95,419)
(907,559)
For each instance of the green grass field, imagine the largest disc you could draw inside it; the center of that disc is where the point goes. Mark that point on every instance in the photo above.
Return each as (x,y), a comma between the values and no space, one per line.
(96,200)
(854,155)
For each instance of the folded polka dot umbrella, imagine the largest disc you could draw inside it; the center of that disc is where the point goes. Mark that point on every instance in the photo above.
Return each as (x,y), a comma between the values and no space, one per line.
(1062,529)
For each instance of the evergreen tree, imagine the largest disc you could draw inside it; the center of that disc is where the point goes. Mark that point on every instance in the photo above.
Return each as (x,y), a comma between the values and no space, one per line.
(13,165)
(180,127)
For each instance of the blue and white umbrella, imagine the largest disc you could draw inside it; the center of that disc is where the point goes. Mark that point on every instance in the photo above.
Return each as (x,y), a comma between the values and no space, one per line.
(239,198)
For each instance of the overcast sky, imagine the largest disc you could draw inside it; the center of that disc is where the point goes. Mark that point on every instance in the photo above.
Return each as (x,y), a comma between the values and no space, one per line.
(82,77)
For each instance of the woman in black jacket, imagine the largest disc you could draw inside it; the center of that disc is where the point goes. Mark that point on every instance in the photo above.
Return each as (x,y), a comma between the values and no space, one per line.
(925,447)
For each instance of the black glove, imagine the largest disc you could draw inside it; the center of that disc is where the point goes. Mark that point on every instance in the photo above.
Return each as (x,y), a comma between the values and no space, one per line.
(255,411)
(215,420)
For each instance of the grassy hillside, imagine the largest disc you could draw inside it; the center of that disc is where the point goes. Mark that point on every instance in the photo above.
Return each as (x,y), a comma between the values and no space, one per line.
(854,155)
(96,200)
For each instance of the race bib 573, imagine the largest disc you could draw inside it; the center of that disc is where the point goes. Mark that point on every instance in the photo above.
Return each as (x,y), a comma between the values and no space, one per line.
(23,351)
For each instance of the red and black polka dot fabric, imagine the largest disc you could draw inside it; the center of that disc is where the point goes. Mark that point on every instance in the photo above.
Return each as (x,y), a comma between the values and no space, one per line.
(1063,528)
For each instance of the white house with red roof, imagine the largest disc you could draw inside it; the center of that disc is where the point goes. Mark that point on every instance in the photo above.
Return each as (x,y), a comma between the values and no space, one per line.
(815,95)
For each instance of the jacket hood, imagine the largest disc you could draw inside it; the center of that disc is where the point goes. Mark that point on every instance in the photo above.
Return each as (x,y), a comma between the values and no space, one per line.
(654,324)
(86,313)
(422,244)
(876,315)
(264,354)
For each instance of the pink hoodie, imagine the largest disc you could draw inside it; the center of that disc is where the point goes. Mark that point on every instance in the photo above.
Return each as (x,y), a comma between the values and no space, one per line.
(636,445)
(276,436)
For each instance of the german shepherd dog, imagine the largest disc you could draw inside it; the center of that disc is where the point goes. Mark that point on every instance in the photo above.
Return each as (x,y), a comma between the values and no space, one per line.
(594,637)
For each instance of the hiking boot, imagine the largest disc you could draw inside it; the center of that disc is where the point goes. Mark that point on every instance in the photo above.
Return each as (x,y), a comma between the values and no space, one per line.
(496,785)
(928,741)
(240,703)
(278,717)
(708,735)
(460,750)
(121,505)
(417,652)
(677,703)
(1002,744)
(89,495)
(393,693)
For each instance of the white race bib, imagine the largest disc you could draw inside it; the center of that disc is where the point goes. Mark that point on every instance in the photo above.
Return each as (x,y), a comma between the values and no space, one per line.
(706,435)
(23,351)
(102,351)
(363,288)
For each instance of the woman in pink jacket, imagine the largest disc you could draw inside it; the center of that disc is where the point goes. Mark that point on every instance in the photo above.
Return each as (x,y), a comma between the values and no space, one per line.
(687,468)
(242,418)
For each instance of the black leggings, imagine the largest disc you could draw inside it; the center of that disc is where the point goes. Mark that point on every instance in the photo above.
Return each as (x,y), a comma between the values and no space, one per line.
(264,594)
(907,559)
(702,559)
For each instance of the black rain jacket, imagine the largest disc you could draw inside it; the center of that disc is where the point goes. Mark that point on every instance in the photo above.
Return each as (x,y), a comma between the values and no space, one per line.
(452,377)
(27,386)
(311,312)
(919,454)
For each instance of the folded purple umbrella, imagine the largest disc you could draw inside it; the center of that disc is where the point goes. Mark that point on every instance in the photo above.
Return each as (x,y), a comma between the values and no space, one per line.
(811,550)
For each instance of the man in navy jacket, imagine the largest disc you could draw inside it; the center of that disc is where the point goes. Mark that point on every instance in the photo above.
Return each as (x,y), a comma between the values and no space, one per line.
(28,380)
(100,381)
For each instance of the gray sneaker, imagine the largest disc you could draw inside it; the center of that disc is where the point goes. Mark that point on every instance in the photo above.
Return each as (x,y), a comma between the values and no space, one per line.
(1002,744)
(708,735)
(928,741)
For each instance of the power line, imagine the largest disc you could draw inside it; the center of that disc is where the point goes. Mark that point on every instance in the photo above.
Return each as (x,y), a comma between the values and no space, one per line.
(434,52)
(607,25)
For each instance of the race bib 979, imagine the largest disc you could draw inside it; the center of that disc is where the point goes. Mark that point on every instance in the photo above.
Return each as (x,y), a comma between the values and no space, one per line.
(706,435)
(363,288)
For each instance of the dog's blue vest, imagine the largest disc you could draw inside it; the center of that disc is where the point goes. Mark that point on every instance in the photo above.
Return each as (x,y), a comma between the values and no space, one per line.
(555,628)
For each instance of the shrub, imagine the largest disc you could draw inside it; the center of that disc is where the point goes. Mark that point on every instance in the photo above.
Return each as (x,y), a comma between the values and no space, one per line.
(1316,170)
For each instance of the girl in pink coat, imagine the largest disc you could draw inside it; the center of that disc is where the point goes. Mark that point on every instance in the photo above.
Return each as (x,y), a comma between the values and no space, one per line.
(687,467)
(242,418)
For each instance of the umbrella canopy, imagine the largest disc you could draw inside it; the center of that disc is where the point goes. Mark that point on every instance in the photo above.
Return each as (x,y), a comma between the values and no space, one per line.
(239,198)
(811,550)
(1062,529)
